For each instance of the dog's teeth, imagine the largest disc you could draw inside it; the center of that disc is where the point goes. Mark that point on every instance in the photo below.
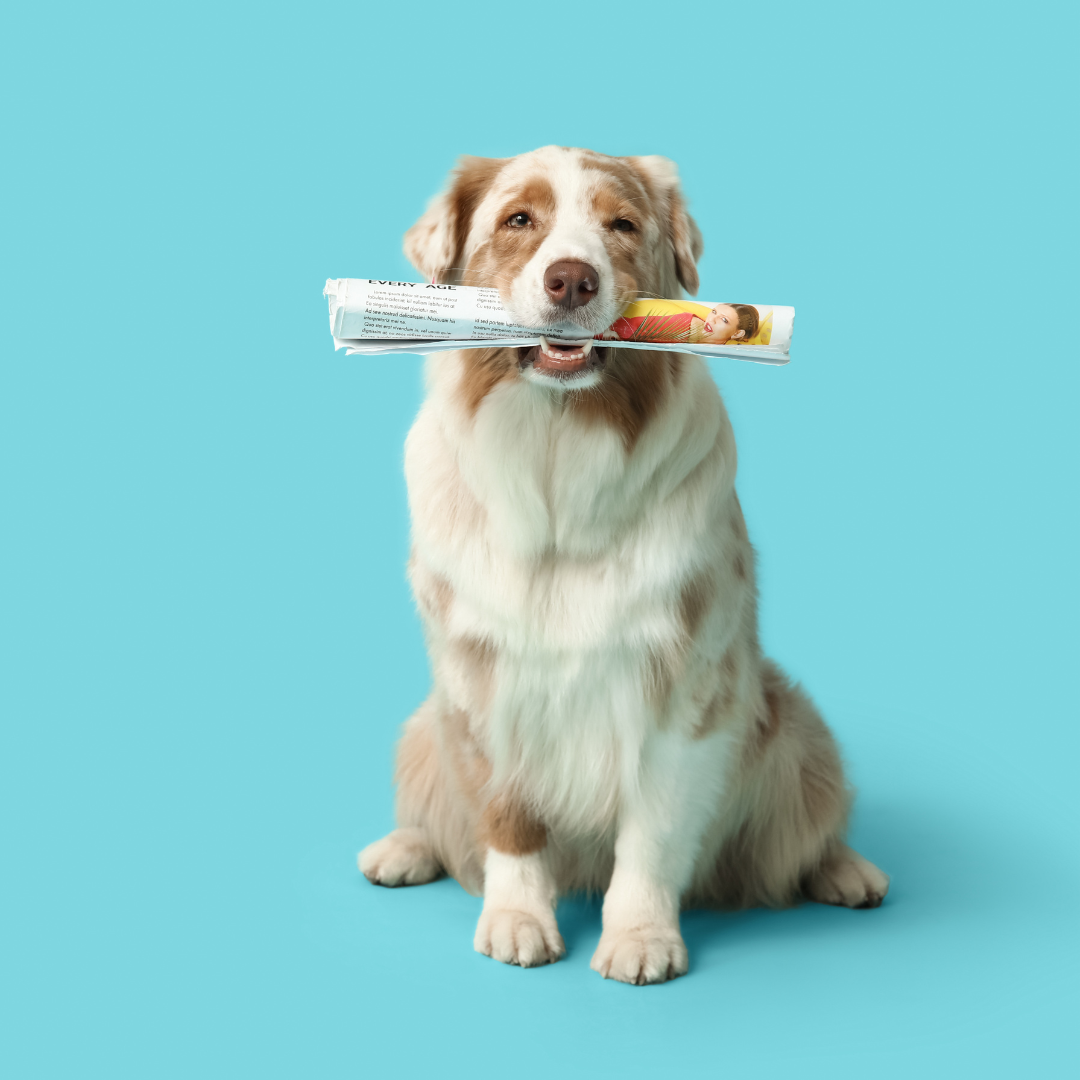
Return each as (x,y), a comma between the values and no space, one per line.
(581,351)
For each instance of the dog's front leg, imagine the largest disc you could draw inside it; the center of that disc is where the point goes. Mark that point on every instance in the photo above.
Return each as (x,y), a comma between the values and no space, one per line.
(660,830)
(517,924)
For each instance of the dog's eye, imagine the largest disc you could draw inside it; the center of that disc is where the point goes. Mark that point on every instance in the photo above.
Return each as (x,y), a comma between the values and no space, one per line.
(519,221)
(622,225)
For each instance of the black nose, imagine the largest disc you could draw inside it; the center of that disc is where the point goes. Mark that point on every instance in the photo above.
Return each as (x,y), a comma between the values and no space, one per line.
(571,283)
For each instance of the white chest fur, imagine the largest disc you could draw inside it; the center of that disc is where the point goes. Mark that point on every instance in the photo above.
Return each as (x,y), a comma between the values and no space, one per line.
(566,555)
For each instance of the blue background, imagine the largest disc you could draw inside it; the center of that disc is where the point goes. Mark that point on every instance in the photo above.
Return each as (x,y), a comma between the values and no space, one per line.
(208,643)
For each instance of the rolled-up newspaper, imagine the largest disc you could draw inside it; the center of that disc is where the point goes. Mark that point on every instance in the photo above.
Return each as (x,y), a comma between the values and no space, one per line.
(371,317)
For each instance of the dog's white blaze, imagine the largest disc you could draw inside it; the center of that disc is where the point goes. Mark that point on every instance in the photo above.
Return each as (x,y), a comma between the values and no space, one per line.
(576,234)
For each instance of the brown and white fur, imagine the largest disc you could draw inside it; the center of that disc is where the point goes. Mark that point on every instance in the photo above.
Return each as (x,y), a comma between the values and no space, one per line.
(602,717)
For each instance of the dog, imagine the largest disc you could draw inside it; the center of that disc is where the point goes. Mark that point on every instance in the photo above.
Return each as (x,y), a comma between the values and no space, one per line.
(602,717)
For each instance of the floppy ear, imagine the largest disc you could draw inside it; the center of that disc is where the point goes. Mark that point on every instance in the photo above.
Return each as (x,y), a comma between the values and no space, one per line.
(662,177)
(435,245)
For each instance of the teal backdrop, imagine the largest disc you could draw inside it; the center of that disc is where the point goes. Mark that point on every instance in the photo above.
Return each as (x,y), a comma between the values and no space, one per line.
(208,641)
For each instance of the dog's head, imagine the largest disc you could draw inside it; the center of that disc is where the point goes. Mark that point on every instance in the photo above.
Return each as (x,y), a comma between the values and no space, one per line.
(568,237)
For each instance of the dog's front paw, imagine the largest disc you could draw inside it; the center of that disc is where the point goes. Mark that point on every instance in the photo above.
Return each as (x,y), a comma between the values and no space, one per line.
(641,954)
(518,937)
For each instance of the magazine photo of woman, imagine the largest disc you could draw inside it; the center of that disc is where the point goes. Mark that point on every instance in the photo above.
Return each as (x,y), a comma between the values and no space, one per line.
(697,324)
(730,324)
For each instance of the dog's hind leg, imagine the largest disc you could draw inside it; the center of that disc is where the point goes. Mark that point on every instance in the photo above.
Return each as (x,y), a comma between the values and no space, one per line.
(789,845)
(407,856)
(436,822)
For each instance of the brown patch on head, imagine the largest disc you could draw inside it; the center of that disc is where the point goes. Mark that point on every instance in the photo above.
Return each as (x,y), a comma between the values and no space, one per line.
(436,243)
(620,195)
(507,825)
(498,260)
(694,602)
(660,254)
(482,370)
(635,386)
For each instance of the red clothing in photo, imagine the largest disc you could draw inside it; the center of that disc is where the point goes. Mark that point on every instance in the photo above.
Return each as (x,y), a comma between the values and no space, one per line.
(655,327)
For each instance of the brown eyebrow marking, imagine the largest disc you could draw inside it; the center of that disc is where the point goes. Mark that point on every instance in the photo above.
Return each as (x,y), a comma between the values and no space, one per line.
(536,195)
(611,205)
(503,252)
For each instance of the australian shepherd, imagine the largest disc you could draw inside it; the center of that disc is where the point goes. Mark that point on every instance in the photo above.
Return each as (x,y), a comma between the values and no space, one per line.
(602,717)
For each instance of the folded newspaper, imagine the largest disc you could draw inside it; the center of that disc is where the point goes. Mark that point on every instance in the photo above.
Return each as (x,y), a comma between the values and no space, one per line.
(371,317)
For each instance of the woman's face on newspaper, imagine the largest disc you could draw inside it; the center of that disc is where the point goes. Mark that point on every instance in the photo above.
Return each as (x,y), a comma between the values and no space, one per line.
(722,325)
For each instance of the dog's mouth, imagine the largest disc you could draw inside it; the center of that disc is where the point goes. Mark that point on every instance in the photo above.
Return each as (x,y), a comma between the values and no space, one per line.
(566,361)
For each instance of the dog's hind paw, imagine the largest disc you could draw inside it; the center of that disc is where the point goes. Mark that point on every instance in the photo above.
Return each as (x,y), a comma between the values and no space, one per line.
(847,879)
(403,857)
